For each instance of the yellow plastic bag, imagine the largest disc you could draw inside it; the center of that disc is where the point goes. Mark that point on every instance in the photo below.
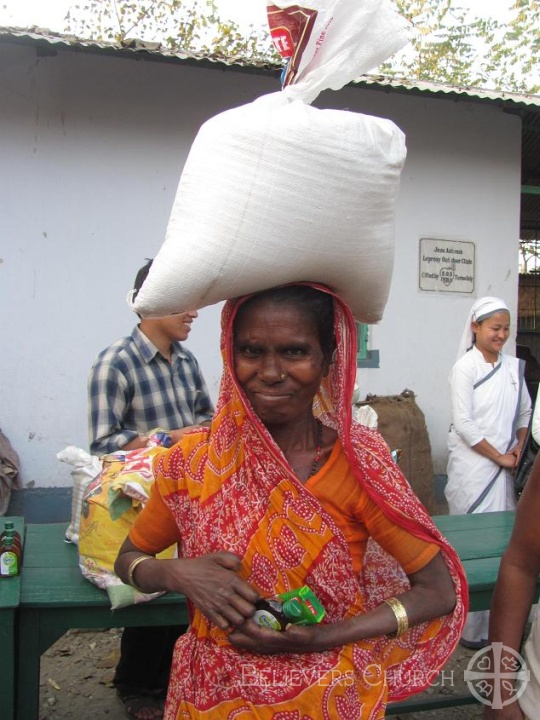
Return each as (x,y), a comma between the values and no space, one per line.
(110,505)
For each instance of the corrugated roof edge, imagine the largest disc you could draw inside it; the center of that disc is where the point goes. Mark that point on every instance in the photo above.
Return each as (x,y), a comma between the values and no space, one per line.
(136,48)
(132,47)
(467,93)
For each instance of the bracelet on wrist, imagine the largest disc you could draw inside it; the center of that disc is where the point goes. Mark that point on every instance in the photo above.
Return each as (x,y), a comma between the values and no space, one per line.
(133,565)
(400,612)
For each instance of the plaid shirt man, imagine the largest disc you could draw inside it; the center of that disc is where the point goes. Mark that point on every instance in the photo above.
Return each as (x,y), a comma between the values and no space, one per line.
(132,389)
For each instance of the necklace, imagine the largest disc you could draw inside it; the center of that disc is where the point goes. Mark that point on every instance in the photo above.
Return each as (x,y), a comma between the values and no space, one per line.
(318,450)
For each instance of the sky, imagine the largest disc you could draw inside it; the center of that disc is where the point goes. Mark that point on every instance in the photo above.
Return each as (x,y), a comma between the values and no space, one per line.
(51,13)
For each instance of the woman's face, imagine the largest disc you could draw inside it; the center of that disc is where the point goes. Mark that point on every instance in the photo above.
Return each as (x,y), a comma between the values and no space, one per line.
(272,341)
(491,334)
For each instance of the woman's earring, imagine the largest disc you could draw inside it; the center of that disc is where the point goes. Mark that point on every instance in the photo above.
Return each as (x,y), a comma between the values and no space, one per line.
(282,376)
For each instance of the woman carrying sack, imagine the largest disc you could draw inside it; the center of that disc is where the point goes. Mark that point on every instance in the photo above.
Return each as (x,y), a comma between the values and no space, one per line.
(285,490)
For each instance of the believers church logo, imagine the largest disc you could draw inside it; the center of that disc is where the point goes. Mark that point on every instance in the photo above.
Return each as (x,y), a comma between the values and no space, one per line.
(490,677)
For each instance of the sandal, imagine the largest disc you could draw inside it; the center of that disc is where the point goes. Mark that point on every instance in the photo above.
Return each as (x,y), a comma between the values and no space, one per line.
(135,705)
(473,644)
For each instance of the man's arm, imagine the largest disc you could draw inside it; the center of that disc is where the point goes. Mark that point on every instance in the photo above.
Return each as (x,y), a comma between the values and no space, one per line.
(108,405)
(204,408)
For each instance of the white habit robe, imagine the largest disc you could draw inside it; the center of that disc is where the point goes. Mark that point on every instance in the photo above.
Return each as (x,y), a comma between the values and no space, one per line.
(492,402)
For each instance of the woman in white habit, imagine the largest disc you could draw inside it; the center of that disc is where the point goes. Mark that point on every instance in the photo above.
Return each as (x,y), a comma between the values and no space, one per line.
(491,408)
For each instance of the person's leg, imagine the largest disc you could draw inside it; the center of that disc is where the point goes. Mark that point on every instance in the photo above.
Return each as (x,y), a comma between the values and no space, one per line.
(475,631)
(142,672)
(146,656)
(164,668)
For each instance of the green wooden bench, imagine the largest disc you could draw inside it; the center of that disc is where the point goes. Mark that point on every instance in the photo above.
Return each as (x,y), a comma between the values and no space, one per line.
(480,541)
(54,597)
(9,602)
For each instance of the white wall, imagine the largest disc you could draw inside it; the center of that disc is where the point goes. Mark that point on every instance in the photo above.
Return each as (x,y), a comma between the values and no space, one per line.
(91,150)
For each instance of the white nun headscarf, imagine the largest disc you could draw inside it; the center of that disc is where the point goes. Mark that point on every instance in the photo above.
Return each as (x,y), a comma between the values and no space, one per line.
(483,308)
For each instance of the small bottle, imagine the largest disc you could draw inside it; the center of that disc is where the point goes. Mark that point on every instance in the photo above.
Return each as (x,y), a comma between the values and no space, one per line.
(299,606)
(276,614)
(10,527)
(10,555)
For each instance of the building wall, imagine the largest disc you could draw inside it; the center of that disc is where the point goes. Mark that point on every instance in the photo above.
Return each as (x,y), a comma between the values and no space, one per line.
(91,150)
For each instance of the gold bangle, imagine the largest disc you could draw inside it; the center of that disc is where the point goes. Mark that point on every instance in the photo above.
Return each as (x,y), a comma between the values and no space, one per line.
(401,616)
(132,568)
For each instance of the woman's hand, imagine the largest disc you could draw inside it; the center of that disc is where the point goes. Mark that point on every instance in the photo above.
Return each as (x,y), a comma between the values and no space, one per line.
(295,639)
(516,452)
(507,460)
(212,582)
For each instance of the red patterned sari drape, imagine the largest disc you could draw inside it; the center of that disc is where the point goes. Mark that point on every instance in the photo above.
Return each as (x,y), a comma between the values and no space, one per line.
(230,488)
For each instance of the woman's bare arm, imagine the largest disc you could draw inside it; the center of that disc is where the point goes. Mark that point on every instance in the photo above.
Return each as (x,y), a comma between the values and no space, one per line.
(516,583)
(431,595)
(212,582)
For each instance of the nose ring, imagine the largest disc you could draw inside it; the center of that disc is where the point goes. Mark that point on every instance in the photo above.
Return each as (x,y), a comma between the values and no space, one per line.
(282,376)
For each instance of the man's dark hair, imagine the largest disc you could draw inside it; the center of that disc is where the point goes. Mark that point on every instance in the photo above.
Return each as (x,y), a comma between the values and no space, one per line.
(141,277)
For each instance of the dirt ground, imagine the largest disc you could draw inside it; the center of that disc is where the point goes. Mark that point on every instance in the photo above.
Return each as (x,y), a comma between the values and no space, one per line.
(76,675)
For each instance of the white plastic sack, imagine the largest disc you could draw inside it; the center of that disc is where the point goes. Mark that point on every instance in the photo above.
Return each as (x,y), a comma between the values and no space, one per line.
(277,191)
(86,468)
(348,38)
(365,414)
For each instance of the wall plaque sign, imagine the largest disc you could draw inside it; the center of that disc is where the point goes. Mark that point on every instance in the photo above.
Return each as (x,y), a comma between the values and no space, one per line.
(446,266)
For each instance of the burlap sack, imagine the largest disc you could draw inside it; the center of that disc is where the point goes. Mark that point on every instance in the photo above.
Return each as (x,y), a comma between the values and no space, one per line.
(403,426)
(9,472)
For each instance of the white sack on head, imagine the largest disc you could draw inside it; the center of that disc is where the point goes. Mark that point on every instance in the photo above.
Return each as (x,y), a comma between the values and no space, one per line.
(277,191)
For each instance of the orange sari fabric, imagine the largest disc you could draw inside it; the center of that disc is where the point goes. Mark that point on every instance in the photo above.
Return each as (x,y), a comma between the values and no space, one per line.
(230,488)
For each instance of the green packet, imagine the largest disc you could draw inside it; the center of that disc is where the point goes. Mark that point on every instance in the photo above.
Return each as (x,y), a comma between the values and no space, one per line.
(299,606)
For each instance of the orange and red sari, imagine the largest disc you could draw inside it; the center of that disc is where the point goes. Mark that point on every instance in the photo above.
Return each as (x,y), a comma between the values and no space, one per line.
(230,488)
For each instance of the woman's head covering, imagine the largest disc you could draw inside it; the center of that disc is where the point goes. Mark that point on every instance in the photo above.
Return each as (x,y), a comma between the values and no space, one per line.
(483,308)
